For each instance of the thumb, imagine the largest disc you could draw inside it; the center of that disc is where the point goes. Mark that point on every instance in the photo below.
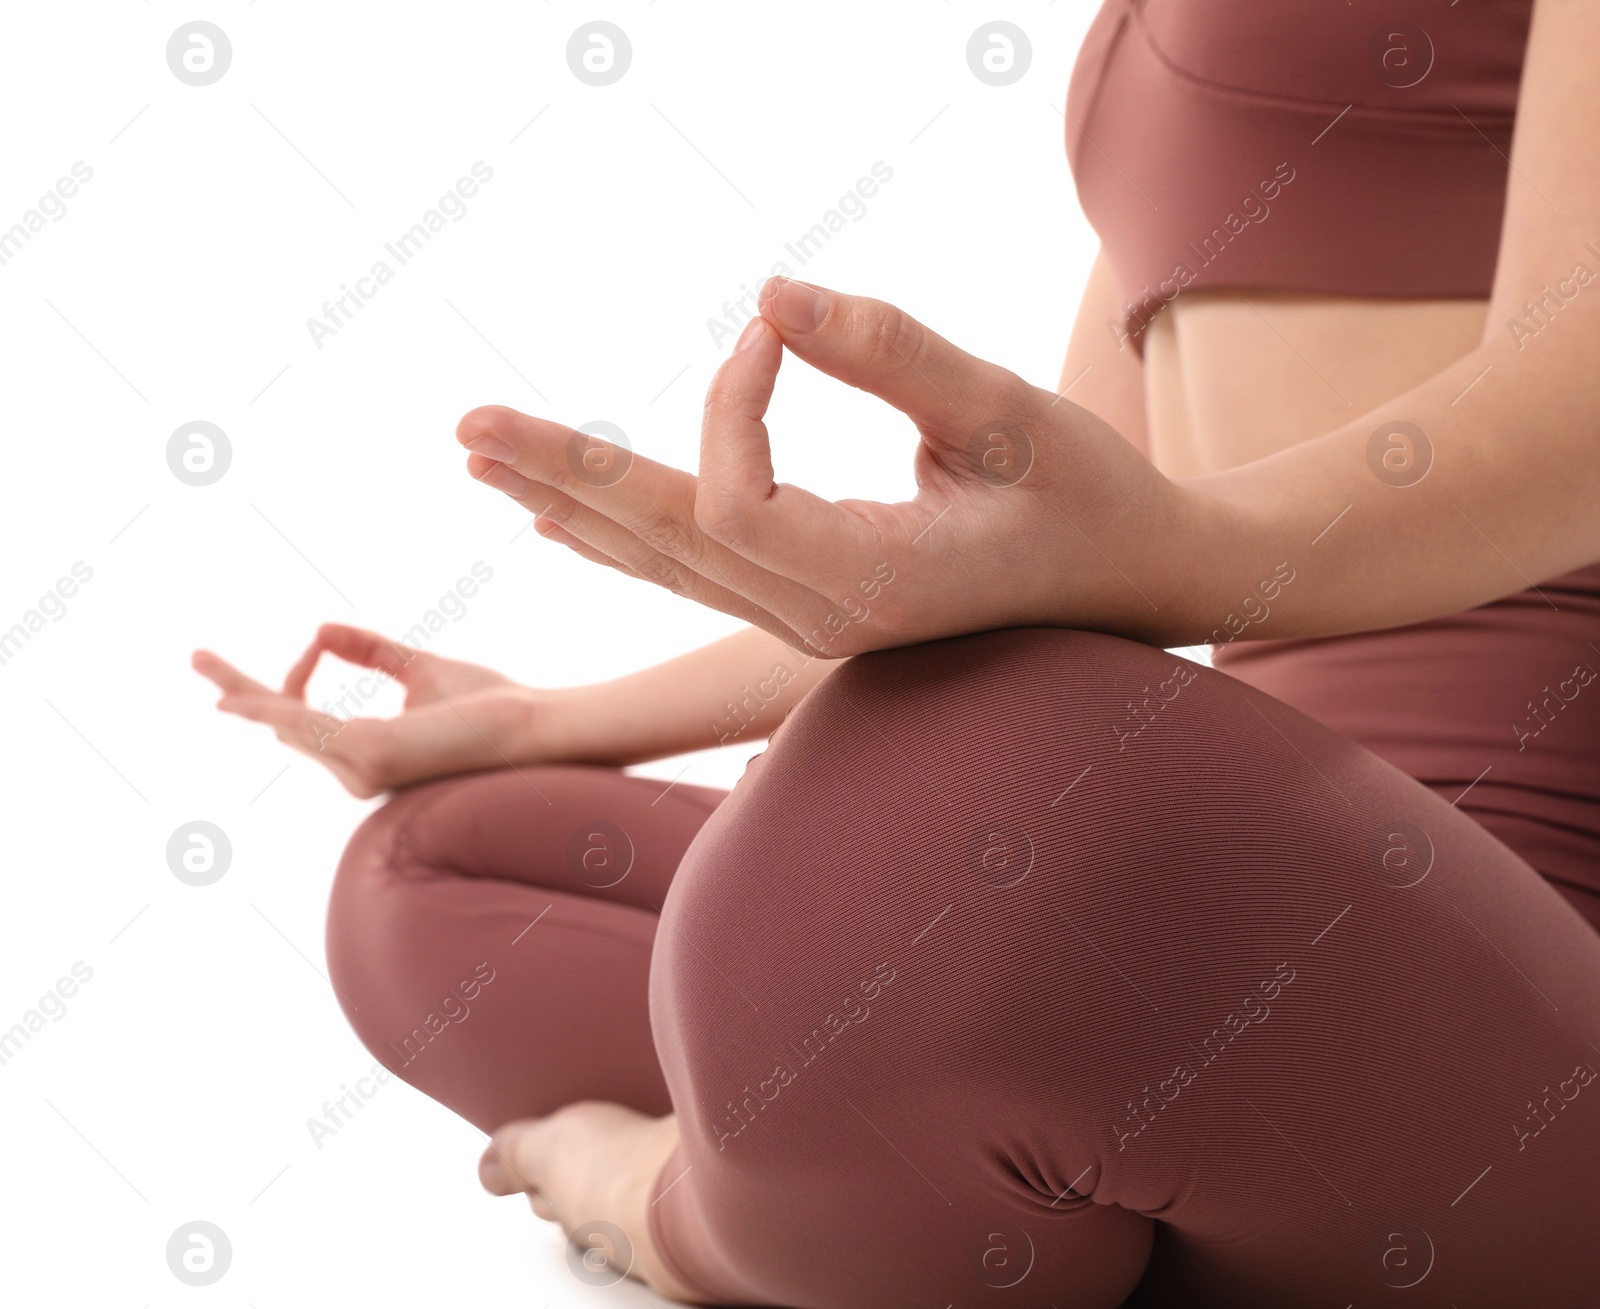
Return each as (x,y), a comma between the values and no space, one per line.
(951,395)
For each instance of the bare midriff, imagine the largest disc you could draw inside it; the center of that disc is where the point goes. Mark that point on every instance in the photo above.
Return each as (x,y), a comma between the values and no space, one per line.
(1232,376)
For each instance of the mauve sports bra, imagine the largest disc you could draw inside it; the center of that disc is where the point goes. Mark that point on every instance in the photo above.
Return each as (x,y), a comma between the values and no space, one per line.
(1355,148)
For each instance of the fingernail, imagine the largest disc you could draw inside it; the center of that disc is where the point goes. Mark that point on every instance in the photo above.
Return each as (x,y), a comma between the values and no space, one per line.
(507,480)
(799,307)
(492,447)
(754,330)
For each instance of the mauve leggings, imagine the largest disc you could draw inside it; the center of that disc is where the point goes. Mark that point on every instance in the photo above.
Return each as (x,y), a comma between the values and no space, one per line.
(1030,968)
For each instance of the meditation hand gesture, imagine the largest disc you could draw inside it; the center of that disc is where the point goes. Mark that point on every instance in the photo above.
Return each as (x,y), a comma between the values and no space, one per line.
(1029,509)
(458,717)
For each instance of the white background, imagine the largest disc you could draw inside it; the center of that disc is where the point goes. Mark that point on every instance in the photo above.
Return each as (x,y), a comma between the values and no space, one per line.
(578,286)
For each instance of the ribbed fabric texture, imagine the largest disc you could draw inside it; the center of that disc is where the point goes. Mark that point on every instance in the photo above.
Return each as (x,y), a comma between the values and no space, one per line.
(1496,709)
(1283,144)
(1034,967)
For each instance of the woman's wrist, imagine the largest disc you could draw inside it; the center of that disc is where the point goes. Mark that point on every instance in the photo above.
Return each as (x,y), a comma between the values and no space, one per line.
(732,692)
(546,725)
(1165,559)
(1217,567)
(604,723)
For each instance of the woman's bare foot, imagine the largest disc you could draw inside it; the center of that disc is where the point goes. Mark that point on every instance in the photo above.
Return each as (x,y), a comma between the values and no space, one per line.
(587,1163)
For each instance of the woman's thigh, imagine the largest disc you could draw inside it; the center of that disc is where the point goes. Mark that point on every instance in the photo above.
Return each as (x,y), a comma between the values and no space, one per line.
(1017,957)
(489,935)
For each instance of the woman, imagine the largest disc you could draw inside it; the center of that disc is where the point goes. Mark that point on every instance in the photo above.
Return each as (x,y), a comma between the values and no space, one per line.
(1028,956)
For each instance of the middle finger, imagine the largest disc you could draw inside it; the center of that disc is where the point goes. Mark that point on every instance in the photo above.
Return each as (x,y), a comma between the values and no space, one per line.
(649,502)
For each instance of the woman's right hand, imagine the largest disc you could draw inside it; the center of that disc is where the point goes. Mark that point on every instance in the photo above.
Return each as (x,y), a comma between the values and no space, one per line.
(458,717)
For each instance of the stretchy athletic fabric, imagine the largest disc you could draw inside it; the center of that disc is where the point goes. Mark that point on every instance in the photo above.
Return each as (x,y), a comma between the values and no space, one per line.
(1032,968)
(1495,709)
(1352,147)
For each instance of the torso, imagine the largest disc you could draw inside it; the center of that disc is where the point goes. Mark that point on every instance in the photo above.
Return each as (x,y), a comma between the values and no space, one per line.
(1494,709)
(1219,145)
(1232,376)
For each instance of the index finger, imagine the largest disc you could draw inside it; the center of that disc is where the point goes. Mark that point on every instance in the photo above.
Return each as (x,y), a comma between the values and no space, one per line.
(355,645)
(778,526)
(946,391)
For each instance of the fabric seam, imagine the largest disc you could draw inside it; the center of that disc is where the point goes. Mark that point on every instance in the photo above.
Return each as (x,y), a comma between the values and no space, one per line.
(1369,113)
(1079,130)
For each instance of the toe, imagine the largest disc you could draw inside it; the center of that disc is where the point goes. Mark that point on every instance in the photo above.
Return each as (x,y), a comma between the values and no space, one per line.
(515,1158)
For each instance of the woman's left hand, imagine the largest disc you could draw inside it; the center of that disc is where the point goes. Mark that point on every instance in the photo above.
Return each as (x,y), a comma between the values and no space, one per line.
(1029,510)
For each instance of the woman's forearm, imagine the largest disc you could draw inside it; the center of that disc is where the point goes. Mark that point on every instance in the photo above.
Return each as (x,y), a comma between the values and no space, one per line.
(732,691)
(1511,497)
(1478,483)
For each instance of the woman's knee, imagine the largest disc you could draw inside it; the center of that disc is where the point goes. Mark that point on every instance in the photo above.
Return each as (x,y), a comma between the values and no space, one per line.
(1040,915)
(987,771)
(472,827)
(1120,777)
(1063,871)
(407,901)
(367,906)
(879,965)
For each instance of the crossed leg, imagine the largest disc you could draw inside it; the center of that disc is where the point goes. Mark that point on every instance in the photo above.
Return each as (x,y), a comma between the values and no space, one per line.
(489,936)
(1035,963)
